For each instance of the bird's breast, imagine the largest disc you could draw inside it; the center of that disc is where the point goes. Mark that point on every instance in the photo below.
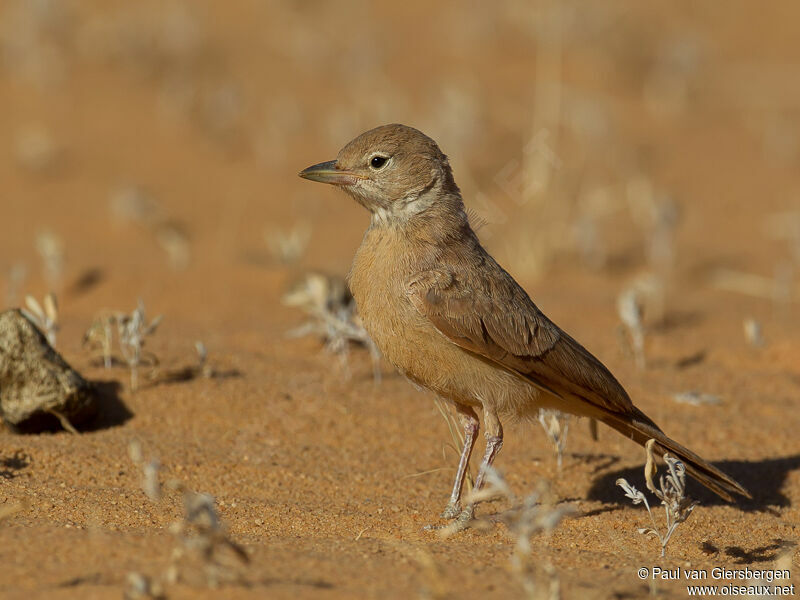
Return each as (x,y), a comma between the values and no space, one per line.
(381,269)
(377,282)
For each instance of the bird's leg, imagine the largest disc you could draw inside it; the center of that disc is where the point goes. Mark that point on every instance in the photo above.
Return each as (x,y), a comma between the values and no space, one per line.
(494,441)
(469,420)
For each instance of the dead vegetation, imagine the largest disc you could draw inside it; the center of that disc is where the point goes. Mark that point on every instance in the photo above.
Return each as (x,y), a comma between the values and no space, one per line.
(46,319)
(753,333)
(203,554)
(671,491)
(51,250)
(200,368)
(128,333)
(132,333)
(643,296)
(333,317)
(536,514)
(100,336)
(133,330)
(695,398)
(556,426)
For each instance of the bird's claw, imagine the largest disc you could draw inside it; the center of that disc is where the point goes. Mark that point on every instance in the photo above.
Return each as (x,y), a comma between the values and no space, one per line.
(460,520)
(466,516)
(452,510)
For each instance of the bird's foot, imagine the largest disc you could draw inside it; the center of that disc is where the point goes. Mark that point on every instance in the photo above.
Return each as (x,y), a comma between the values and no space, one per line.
(452,510)
(460,521)
(464,518)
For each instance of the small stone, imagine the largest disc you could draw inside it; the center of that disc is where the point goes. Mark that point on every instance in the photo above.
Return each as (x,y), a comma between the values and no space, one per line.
(37,386)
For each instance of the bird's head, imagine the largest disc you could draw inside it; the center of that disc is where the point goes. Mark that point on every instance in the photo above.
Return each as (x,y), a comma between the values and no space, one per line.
(395,171)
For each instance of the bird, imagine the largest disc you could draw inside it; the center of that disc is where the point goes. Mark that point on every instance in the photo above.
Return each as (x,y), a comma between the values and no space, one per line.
(449,318)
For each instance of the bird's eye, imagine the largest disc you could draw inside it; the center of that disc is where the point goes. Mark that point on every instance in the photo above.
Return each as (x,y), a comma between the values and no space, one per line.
(378,162)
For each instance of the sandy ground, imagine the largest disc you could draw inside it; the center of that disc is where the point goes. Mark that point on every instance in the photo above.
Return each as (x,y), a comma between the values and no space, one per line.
(324,477)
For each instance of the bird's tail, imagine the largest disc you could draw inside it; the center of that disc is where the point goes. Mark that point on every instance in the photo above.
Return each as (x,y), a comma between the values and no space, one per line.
(640,429)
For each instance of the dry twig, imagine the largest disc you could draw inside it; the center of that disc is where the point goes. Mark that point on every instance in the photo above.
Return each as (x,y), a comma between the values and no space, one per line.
(670,491)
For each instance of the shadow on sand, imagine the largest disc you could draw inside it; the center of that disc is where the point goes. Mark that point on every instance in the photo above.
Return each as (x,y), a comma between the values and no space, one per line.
(763,479)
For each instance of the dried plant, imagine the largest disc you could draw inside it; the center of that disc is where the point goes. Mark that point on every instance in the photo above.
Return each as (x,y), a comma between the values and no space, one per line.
(203,368)
(174,240)
(203,553)
(288,247)
(46,319)
(753,333)
(200,368)
(151,486)
(100,338)
(696,398)
(631,313)
(51,250)
(203,543)
(643,295)
(671,491)
(555,425)
(534,514)
(133,330)
(332,309)
(100,335)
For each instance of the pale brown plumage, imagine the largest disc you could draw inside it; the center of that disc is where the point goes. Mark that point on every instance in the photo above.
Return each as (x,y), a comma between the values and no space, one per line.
(451,319)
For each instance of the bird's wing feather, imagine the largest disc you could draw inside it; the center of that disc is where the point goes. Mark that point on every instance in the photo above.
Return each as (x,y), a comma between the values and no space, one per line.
(489,314)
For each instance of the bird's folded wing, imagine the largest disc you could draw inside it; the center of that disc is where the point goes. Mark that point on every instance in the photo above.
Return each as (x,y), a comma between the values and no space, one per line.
(489,314)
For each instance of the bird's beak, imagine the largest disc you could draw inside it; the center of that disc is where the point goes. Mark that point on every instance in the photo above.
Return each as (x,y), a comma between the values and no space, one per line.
(329,172)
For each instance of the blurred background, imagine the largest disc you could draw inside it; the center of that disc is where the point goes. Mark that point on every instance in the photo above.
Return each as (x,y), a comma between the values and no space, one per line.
(148,140)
